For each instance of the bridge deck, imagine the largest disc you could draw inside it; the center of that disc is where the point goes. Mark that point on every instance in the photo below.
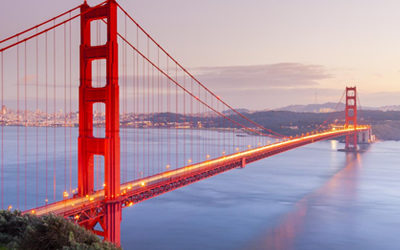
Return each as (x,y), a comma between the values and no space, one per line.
(82,209)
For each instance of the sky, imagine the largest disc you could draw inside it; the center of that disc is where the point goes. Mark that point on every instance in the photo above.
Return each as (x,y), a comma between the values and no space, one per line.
(263,54)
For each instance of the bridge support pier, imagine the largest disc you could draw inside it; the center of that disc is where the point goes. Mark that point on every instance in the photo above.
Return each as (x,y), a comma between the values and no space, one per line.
(112,221)
(109,146)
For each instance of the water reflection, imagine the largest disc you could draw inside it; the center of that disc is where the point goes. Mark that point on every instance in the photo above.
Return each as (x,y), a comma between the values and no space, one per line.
(334,144)
(342,187)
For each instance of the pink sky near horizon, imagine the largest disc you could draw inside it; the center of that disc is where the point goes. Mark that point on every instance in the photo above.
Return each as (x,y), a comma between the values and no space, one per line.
(286,52)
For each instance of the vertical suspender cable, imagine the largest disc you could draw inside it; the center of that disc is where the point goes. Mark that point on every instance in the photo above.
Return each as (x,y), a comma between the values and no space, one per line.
(137,110)
(123,90)
(65,108)
(143,115)
(37,122)
(148,108)
(47,114)
(159,115)
(18,123)
(205,130)
(198,127)
(55,114)
(135,114)
(184,121)
(191,121)
(2,131)
(210,132)
(176,118)
(152,120)
(168,118)
(233,139)
(224,131)
(70,106)
(25,129)
(125,57)
(219,130)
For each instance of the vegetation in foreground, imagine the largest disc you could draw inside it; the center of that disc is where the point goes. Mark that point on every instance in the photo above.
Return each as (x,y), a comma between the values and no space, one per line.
(28,231)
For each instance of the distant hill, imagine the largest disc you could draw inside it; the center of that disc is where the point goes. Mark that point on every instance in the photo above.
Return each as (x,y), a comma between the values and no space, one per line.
(385,124)
(297,119)
(331,107)
(240,110)
(314,108)
(390,108)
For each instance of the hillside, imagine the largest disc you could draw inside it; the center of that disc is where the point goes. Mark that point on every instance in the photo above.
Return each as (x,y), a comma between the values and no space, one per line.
(27,231)
(385,124)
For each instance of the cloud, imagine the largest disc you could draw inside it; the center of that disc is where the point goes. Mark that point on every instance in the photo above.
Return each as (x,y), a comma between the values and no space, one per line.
(258,77)
(267,86)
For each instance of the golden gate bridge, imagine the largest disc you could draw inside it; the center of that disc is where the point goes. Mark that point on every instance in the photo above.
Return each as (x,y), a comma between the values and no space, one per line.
(145,122)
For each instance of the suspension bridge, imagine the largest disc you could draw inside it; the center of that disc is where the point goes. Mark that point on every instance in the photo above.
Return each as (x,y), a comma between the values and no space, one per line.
(147,126)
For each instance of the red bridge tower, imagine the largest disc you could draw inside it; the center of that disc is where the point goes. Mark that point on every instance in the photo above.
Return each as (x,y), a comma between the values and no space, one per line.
(109,146)
(351,118)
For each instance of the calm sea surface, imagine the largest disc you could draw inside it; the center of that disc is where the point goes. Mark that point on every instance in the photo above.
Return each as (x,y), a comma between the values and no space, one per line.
(312,197)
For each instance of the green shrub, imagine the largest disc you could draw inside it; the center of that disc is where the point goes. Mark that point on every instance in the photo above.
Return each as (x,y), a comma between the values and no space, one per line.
(28,231)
